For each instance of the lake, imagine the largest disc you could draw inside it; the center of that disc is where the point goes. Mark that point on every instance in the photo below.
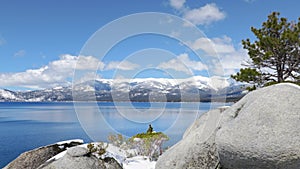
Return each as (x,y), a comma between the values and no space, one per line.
(25,126)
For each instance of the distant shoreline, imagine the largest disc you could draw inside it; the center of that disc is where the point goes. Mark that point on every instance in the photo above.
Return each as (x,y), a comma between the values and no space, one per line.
(227,101)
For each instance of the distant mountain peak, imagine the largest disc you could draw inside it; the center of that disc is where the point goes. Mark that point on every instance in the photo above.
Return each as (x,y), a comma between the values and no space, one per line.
(140,89)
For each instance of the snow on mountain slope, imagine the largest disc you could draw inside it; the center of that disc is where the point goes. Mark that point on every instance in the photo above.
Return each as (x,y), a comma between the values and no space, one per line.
(7,95)
(134,89)
(217,83)
(163,83)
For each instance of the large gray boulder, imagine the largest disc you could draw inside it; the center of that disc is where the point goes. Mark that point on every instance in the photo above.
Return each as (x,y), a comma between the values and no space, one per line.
(80,158)
(34,158)
(262,130)
(258,132)
(197,149)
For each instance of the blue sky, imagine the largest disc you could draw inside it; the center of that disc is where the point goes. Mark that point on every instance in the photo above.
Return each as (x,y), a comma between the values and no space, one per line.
(40,41)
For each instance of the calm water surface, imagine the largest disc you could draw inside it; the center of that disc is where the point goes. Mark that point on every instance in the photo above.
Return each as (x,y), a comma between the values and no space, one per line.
(25,126)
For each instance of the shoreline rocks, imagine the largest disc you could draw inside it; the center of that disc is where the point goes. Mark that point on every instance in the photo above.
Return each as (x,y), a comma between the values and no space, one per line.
(80,158)
(62,155)
(36,157)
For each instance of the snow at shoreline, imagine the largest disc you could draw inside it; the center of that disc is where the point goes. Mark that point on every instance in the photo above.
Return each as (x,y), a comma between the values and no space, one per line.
(135,162)
(139,162)
(69,141)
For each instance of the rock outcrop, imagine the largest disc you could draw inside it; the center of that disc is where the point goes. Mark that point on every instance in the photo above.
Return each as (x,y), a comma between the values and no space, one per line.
(62,155)
(34,158)
(79,158)
(197,149)
(262,130)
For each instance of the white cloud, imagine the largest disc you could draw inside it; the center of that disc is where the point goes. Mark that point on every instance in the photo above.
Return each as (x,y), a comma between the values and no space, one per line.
(89,76)
(20,53)
(235,59)
(182,64)
(123,65)
(177,4)
(230,57)
(204,15)
(33,78)
(68,63)
(59,72)
(184,58)
(54,74)
(79,63)
(214,46)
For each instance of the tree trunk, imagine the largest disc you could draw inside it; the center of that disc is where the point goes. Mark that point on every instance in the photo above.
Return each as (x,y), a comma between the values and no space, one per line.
(279,74)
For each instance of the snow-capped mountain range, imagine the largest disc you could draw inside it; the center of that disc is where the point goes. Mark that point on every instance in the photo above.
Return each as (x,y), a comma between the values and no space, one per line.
(196,88)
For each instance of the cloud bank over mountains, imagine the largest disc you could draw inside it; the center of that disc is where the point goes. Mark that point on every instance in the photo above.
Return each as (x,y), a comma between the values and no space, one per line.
(60,72)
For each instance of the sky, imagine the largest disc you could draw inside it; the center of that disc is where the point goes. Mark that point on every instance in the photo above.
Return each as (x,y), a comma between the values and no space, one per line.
(44,43)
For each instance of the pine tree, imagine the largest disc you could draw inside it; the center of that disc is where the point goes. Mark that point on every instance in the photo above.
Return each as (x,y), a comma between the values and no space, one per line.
(275,55)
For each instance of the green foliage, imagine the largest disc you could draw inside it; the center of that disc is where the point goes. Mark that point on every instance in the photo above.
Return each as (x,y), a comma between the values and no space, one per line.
(275,55)
(91,147)
(146,144)
(247,75)
(99,149)
(154,135)
(251,88)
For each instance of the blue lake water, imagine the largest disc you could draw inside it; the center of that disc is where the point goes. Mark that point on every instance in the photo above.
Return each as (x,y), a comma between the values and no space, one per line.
(25,126)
